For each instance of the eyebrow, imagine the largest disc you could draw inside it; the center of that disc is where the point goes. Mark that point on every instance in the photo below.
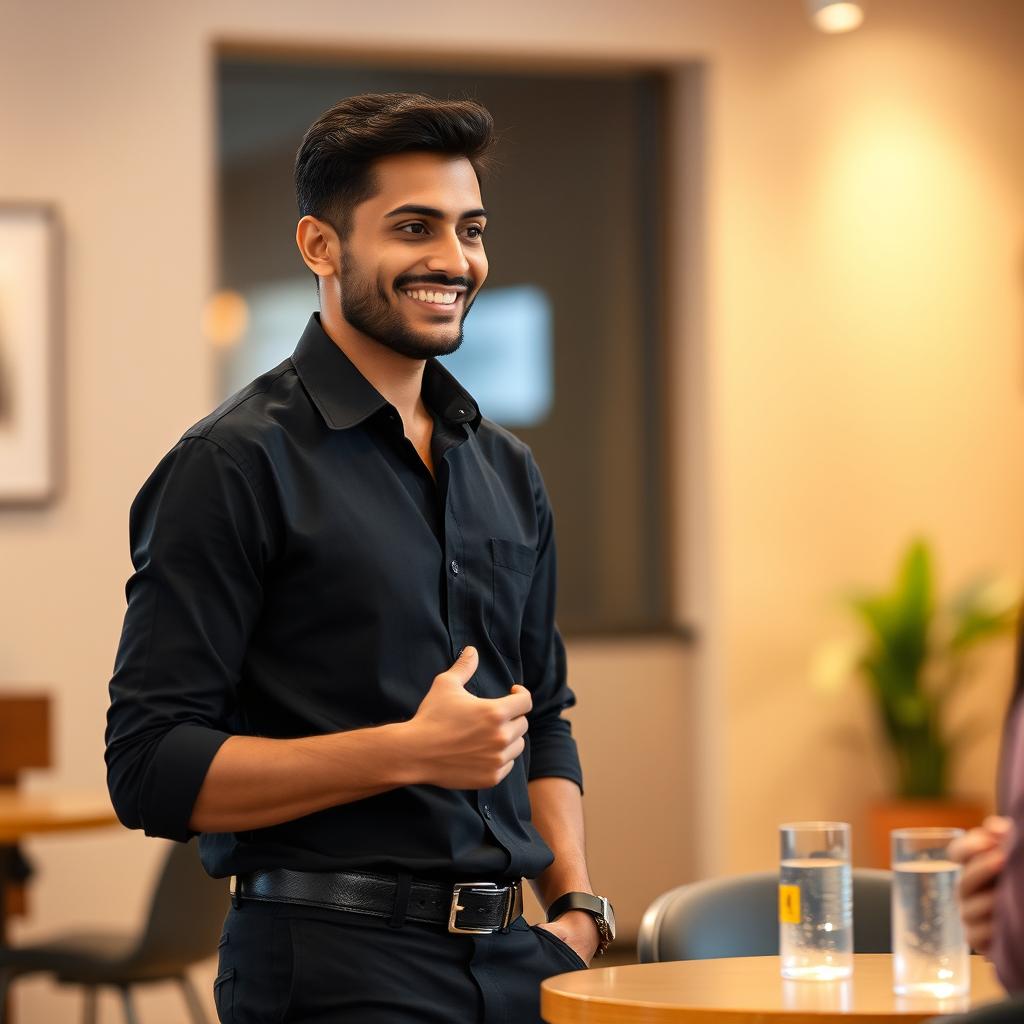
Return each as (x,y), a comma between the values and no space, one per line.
(430,211)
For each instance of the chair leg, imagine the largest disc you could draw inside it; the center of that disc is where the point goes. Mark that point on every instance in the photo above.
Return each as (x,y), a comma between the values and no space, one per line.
(89,1010)
(195,1007)
(129,1005)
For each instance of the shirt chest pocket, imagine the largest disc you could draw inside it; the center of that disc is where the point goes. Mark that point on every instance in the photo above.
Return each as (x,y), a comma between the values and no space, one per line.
(512,567)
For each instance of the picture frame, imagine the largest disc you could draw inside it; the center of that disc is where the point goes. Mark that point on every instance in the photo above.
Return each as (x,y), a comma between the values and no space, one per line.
(29,358)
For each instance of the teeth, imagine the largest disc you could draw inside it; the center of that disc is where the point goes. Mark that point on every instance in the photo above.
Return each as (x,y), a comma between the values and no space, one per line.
(442,298)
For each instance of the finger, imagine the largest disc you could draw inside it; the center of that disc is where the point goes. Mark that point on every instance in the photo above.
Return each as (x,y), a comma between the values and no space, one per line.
(513,750)
(981,872)
(979,938)
(978,908)
(998,824)
(515,704)
(465,666)
(970,844)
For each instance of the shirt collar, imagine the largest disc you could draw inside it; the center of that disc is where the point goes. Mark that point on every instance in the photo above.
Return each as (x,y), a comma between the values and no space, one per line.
(345,398)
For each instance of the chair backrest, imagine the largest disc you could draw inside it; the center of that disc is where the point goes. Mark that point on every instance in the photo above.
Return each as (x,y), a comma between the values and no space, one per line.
(186,913)
(739,916)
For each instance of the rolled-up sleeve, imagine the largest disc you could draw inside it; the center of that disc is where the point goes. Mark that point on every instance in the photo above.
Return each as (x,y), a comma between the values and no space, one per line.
(552,747)
(199,543)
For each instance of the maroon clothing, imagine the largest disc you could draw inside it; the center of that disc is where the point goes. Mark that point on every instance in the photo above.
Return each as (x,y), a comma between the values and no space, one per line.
(1008,943)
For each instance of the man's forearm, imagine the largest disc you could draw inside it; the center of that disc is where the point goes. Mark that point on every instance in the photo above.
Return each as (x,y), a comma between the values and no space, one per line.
(557,808)
(254,782)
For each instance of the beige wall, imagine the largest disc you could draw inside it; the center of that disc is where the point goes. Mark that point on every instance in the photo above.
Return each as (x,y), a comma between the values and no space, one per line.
(848,339)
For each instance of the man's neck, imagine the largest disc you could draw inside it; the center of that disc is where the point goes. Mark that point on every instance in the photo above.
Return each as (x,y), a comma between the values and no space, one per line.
(398,378)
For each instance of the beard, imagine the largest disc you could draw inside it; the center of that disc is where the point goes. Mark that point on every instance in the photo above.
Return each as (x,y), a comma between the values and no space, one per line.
(366,307)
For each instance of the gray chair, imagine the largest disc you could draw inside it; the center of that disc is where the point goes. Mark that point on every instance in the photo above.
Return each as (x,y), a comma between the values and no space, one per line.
(186,914)
(739,916)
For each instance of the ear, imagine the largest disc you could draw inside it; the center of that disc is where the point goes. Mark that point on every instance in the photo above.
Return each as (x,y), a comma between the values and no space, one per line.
(319,246)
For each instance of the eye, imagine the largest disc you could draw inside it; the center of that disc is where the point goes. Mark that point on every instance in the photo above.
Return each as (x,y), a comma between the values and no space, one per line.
(475,232)
(414,224)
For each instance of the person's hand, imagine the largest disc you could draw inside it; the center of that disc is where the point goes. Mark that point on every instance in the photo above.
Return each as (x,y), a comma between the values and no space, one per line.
(459,741)
(578,929)
(982,854)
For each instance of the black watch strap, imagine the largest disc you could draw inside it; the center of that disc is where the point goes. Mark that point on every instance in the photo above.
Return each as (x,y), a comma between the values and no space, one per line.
(597,906)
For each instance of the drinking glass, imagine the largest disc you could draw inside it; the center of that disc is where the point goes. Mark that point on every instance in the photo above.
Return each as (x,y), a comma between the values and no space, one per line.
(815,901)
(930,955)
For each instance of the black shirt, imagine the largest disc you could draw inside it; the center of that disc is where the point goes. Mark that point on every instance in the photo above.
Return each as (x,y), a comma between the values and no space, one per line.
(299,572)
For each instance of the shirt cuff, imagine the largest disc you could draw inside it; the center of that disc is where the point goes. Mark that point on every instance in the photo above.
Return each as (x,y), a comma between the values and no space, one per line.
(174,779)
(555,755)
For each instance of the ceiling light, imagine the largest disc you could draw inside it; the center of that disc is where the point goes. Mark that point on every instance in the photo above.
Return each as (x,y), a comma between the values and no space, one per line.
(834,16)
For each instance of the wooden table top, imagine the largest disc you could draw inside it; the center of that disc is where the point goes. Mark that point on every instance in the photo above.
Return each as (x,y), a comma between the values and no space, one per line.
(24,814)
(747,990)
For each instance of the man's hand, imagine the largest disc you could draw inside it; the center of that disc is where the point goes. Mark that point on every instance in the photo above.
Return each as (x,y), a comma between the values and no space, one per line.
(577,929)
(459,741)
(982,853)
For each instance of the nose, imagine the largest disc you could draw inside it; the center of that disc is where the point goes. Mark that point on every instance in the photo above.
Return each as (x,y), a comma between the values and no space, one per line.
(447,254)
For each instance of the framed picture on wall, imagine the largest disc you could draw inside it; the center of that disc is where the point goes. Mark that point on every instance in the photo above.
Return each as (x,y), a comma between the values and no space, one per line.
(29,305)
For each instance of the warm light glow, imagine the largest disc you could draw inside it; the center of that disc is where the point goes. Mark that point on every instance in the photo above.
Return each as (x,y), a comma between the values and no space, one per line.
(225,319)
(836,17)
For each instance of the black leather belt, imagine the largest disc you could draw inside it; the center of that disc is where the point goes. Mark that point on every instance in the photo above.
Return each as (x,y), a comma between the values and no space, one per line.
(467,908)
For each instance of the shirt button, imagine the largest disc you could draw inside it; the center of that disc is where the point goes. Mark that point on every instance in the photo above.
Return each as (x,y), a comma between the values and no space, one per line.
(455,567)
(487,812)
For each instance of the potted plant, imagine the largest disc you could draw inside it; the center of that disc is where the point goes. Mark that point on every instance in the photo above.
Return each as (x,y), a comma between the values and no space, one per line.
(917,655)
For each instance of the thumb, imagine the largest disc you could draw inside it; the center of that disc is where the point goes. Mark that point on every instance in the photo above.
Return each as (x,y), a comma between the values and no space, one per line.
(465,666)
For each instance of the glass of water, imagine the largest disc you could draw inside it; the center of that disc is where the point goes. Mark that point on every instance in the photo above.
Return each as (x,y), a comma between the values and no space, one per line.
(930,955)
(815,901)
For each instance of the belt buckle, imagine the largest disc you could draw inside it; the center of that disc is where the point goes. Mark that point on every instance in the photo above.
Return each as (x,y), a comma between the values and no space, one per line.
(455,908)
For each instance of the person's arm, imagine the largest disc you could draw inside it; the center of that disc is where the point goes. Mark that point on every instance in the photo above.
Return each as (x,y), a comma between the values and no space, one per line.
(557,806)
(1007,949)
(555,776)
(455,740)
(201,542)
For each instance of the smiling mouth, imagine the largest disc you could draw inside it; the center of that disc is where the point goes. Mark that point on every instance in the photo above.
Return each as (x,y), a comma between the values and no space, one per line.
(438,300)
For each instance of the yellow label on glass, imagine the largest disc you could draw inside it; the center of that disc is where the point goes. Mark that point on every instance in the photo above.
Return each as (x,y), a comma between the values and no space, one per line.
(789,904)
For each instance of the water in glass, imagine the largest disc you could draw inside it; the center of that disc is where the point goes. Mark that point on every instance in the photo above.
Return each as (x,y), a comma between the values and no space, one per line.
(930,953)
(820,946)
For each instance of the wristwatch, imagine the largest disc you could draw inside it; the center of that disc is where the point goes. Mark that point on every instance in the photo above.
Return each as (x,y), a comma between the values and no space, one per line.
(597,906)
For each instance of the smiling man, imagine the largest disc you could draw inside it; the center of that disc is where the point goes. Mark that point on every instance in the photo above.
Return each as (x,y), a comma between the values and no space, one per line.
(339,663)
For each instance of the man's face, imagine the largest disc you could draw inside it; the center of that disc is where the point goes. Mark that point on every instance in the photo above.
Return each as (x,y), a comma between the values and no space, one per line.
(414,259)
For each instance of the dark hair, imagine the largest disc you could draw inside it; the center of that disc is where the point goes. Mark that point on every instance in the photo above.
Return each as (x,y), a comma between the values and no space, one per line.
(334,165)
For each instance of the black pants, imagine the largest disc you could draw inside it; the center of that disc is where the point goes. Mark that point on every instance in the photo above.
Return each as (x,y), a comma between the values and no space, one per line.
(287,963)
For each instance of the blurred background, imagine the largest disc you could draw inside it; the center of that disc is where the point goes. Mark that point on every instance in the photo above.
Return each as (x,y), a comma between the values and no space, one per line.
(756,301)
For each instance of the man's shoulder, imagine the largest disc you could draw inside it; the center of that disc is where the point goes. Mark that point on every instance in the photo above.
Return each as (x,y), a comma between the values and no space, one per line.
(493,437)
(254,413)
(507,453)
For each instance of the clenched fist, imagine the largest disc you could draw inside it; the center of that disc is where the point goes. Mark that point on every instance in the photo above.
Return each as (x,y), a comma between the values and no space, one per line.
(460,741)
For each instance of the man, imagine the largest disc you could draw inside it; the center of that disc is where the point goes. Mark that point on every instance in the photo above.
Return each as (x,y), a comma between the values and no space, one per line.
(339,662)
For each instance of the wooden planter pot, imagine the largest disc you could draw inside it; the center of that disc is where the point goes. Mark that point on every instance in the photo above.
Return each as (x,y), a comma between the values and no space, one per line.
(886,815)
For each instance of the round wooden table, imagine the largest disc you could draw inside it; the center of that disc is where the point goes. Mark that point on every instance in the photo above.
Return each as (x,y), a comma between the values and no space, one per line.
(746,990)
(25,814)
(29,814)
